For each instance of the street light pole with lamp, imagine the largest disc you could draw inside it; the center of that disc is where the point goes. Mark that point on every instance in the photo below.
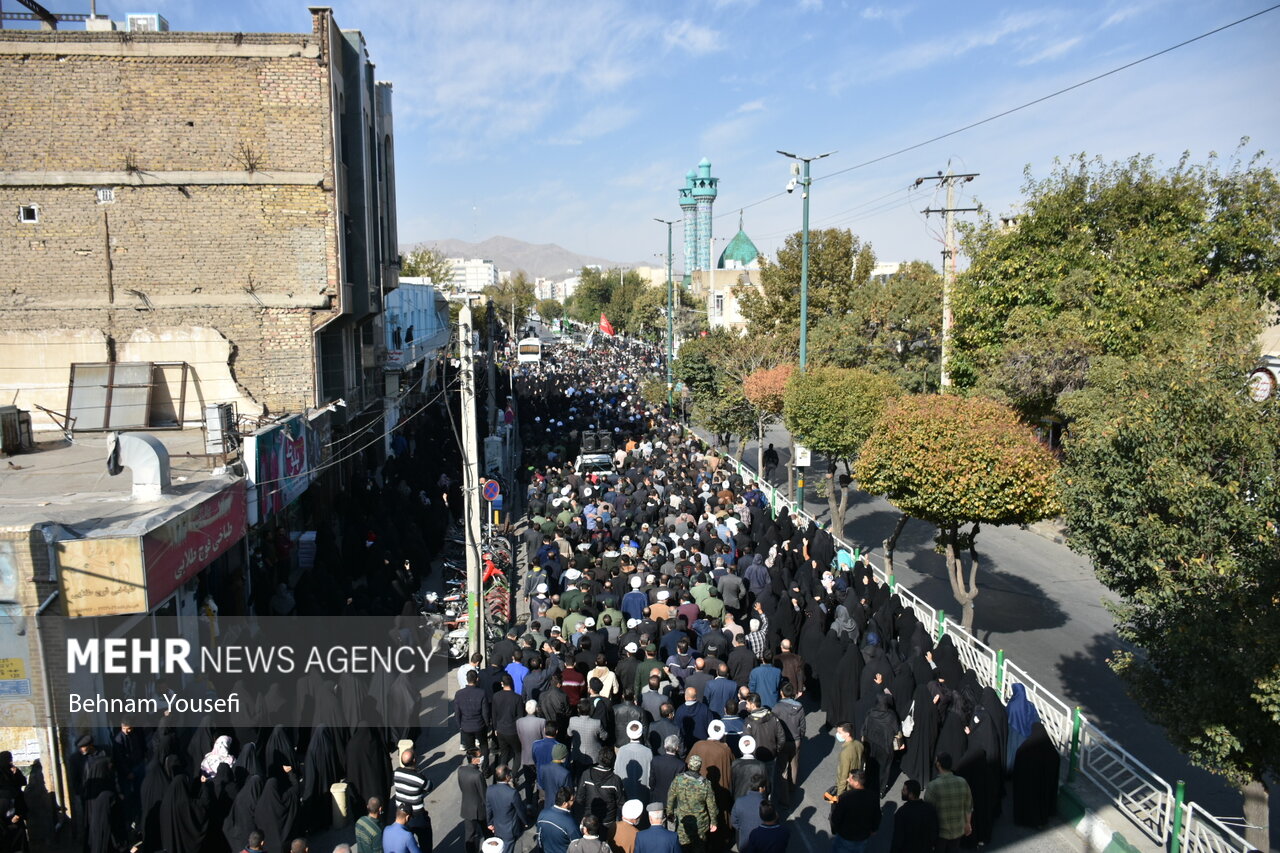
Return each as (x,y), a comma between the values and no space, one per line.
(804,182)
(670,316)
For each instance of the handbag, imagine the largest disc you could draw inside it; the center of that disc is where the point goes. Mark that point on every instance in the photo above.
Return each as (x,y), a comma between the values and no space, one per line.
(909,724)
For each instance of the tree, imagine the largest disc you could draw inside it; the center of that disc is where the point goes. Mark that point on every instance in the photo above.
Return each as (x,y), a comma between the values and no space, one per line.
(648,315)
(893,324)
(765,390)
(954,461)
(832,410)
(1171,485)
(1101,258)
(512,299)
(839,263)
(592,296)
(550,309)
(426,263)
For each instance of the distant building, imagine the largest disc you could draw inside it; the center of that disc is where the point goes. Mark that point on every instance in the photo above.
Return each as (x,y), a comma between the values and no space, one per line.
(473,275)
(738,265)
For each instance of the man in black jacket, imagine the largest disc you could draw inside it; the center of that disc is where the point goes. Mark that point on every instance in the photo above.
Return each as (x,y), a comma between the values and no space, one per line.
(475,816)
(473,709)
(507,708)
(855,816)
(915,826)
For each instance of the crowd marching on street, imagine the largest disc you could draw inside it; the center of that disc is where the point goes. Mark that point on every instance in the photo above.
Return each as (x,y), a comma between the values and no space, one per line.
(680,645)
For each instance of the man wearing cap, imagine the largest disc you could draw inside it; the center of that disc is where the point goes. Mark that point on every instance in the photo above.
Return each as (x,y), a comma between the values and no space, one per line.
(624,834)
(633,761)
(691,802)
(530,729)
(554,775)
(657,838)
(660,610)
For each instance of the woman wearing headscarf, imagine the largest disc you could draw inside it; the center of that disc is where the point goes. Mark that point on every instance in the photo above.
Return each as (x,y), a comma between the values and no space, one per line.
(13,806)
(847,683)
(224,788)
(951,736)
(276,812)
(1035,779)
(878,733)
(322,767)
(184,813)
(843,626)
(279,751)
(155,782)
(1022,716)
(993,713)
(973,768)
(917,763)
(219,755)
(200,743)
(368,763)
(249,762)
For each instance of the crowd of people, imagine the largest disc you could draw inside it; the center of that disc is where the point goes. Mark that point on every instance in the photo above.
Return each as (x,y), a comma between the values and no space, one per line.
(680,633)
(685,658)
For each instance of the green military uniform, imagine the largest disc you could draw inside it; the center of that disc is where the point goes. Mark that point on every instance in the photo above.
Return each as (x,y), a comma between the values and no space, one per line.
(692,804)
(571,599)
(712,607)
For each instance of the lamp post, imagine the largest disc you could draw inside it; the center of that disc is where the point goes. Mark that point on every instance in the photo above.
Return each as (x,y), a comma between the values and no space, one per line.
(670,317)
(805,182)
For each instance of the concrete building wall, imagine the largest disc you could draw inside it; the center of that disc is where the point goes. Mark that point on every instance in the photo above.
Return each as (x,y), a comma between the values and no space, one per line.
(219,245)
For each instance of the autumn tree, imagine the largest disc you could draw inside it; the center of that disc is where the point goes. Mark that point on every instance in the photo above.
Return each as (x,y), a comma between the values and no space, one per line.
(512,299)
(765,389)
(1171,486)
(957,461)
(1102,257)
(832,410)
(428,263)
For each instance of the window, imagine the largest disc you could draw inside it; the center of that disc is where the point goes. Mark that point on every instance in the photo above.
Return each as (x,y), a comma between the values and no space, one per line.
(29,213)
(106,195)
(717,305)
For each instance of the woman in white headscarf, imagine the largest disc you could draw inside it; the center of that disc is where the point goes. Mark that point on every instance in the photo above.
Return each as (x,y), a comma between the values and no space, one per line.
(218,756)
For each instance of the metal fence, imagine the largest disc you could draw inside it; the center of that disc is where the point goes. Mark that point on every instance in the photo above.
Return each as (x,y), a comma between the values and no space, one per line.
(1147,800)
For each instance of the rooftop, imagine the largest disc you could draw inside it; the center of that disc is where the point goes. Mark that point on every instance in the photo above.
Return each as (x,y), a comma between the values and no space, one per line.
(68,484)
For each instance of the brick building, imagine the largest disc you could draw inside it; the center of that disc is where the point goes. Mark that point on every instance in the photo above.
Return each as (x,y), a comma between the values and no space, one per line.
(215,210)
(224,200)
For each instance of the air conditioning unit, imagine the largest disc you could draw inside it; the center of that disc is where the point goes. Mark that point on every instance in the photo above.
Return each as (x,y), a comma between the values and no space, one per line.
(15,430)
(220,435)
(150,23)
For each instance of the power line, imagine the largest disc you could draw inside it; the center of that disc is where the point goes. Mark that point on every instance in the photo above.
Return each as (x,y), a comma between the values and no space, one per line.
(1044,98)
(1018,108)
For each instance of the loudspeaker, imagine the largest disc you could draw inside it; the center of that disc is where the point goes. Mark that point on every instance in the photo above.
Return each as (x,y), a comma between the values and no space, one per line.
(589,443)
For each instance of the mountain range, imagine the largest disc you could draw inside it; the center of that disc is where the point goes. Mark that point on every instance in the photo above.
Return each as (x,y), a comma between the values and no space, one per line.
(538,260)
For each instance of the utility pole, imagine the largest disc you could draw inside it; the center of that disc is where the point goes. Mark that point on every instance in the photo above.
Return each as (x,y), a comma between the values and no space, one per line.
(470,475)
(805,183)
(491,367)
(670,319)
(948,261)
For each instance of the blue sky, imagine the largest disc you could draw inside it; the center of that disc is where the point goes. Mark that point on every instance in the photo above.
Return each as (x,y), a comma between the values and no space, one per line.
(574,122)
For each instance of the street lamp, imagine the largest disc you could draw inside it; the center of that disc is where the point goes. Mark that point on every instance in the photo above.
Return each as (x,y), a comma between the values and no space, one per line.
(804,182)
(670,315)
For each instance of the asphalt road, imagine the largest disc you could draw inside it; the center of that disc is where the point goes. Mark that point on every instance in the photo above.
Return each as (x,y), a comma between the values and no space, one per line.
(1042,604)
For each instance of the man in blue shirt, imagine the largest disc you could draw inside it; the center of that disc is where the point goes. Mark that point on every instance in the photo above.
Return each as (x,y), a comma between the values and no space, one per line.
(517,670)
(657,838)
(556,826)
(765,680)
(397,838)
(553,775)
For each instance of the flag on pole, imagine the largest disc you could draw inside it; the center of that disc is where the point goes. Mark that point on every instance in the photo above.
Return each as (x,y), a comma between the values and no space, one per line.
(605,325)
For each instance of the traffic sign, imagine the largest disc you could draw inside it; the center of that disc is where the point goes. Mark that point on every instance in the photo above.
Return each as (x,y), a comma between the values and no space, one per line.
(492,488)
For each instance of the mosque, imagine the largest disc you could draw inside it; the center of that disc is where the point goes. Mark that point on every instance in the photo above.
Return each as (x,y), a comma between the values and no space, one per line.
(706,282)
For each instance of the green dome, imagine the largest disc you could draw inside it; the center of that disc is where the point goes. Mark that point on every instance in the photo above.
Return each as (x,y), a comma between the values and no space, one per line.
(740,252)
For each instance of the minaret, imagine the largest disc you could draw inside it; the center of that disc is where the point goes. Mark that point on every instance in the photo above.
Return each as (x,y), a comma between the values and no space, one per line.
(704,193)
(688,207)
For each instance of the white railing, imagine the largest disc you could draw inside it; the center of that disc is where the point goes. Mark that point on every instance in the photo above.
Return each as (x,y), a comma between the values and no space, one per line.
(1203,833)
(1146,799)
(1134,788)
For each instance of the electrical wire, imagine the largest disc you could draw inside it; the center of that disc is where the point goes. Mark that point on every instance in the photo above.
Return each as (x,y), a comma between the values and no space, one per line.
(1012,110)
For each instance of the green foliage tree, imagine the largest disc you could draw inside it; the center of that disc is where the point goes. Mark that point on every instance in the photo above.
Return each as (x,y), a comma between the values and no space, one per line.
(954,461)
(1171,486)
(893,324)
(839,263)
(592,296)
(832,410)
(512,299)
(421,261)
(550,309)
(648,316)
(1102,258)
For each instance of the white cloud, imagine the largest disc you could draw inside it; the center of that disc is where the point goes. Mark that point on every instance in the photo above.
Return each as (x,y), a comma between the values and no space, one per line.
(752,106)
(597,122)
(693,38)
(1124,13)
(892,15)
(809,5)
(1052,51)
